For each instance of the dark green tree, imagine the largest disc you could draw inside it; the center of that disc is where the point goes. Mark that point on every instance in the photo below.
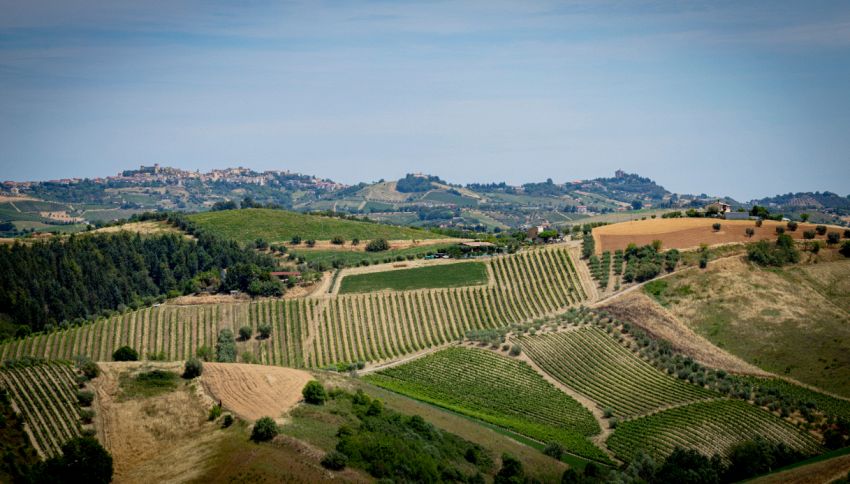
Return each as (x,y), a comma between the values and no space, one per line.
(314,393)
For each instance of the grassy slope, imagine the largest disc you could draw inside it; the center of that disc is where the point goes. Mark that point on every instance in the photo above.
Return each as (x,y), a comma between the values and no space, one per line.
(280,226)
(448,275)
(788,321)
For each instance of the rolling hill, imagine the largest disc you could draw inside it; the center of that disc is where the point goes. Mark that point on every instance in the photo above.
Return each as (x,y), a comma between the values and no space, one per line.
(248,225)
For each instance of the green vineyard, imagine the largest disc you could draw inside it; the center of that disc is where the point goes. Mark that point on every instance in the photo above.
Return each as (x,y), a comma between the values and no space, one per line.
(594,364)
(711,427)
(45,394)
(322,331)
(176,332)
(499,390)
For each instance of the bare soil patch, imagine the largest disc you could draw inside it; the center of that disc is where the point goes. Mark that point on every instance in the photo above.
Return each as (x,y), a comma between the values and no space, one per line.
(254,391)
(685,233)
(145,228)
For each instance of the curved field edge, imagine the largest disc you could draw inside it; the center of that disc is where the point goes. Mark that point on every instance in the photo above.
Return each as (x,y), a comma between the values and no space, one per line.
(247,225)
(451,397)
(711,427)
(430,277)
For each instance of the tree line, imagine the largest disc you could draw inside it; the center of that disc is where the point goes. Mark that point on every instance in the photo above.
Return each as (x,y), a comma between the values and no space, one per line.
(47,283)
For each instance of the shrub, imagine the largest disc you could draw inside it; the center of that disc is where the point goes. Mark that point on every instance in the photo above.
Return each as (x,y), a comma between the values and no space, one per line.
(264,429)
(85,397)
(205,353)
(125,353)
(808,234)
(820,229)
(334,460)
(227,421)
(750,231)
(296,240)
(703,261)
(89,368)
(608,413)
(215,413)
(265,330)
(245,333)
(193,368)
(375,408)
(86,415)
(338,240)
(780,253)
(833,238)
(247,357)
(554,450)
(847,233)
(83,459)
(792,226)
(780,230)
(377,245)
(225,347)
(715,226)
(758,223)
(311,243)
(355,241)
(845,248)
(314,393)
(515,350)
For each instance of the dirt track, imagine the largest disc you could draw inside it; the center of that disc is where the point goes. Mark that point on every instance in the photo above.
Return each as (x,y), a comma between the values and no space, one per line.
(684,233)
(254,391)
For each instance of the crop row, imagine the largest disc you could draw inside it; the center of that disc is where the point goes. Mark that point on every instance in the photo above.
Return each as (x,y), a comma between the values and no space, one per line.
(499,390)
(316,332)
(591,362)
(710,427)
(176,332)
(45,395)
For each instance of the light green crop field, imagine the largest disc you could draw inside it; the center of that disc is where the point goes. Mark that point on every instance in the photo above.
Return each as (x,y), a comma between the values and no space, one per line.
(281,225)
(448,275)
(499,390)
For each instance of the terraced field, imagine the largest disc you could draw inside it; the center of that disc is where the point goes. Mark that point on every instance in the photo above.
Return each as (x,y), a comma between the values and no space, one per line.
(594,364)
(316,332)
(711,427)
(499,390)
(45,395)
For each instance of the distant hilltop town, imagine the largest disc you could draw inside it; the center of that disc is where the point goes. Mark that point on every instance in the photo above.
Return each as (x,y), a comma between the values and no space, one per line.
(166,175)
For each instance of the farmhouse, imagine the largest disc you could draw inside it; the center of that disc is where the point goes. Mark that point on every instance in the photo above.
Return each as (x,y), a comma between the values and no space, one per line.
(719,207)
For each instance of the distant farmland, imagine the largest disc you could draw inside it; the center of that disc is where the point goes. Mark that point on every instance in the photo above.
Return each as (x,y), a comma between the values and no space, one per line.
(251,224)
(446,275)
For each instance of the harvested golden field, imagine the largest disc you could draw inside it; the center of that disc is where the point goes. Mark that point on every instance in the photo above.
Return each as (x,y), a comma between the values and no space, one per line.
(686,233)
(254,391)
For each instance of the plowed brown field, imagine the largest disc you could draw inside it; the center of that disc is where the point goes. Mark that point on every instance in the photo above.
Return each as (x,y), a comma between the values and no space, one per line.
(686,233)
(254,391)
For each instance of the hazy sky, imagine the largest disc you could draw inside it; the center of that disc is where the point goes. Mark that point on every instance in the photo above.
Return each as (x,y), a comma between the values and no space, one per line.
(726,97)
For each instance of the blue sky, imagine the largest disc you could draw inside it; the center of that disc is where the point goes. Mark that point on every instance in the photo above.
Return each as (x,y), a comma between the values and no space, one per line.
(726,97)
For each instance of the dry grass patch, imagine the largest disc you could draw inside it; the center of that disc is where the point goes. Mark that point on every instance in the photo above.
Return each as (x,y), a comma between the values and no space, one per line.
(254,391)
